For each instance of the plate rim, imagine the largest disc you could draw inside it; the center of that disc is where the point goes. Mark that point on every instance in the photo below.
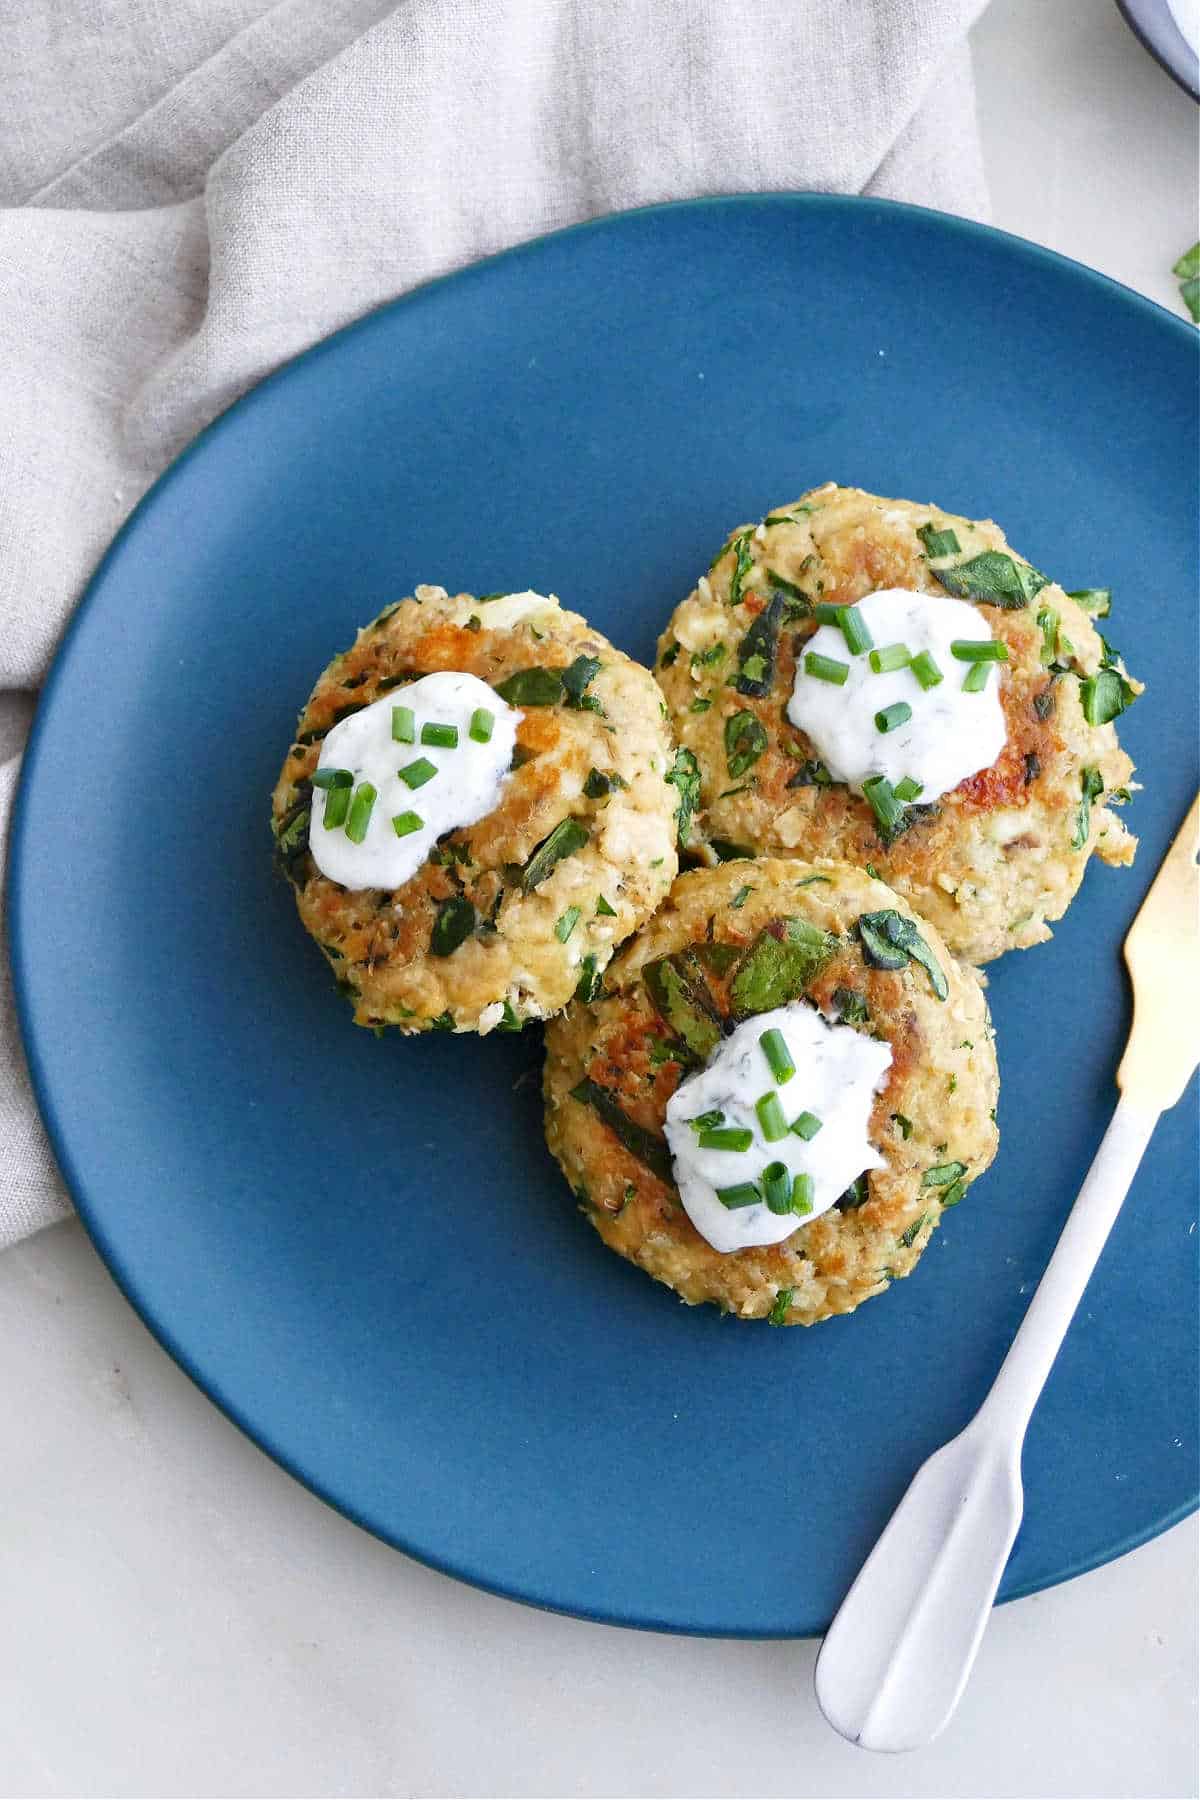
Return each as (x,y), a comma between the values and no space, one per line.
(784,201)
(1159,44)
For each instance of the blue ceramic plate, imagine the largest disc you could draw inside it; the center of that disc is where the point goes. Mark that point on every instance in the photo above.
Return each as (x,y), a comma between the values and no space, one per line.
(361,1249)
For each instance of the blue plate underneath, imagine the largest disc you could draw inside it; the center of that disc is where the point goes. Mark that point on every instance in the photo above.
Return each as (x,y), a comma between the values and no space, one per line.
(361,1249)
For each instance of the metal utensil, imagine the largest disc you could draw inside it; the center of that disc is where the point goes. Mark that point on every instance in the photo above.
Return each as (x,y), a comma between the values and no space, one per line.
(897,1656)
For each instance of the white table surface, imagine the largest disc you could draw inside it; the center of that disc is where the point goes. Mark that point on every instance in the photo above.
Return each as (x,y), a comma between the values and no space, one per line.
(178,1617)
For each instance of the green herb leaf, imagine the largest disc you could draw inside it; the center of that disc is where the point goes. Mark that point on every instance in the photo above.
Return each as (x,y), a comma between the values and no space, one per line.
(684,775)
(1045,701)
(726,851)
(649,1149)
(745,741)
(1091,787)
(668,656)
(681,997)
(856,1195)
(1105,695)
(335,718)
(719,958)
(783,1298)
(801,603)
(758,649)
(780,964)
(588,986)
(850,1006)
(567,837)
(908,1238)
(1096,601)
(938,541)
(903,1125)
(291,833)
(577,677)
(566,922)
(742,565)
(454,924)
(740,898)
(889,941)
(811,773)
(944,1174)
(603,909)
(995,577)
(1188,265)
(532,687)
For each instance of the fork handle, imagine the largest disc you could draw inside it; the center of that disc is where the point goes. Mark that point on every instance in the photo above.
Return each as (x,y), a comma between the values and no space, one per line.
(1024,1370)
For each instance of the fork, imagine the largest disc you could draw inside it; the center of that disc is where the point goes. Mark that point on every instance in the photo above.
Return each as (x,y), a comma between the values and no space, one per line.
(897,1657)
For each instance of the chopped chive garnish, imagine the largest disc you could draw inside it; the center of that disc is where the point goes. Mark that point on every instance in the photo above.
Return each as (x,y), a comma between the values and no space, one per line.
(360,812)
(893,716)
(337,805)
(979,650)
(332,778)
(826,613)
(771,1119)
(404,725)
(806,1125)
(416,774)
(826,668)
(779,1058)
(908,789)
(744,1194)
(856,631)
(802,1195)
(444,736)
(892,656)
(976,678)
(730,1137)
(777,1187)
(603,909)
(881,796)
(565,924)
(480,728)
(925,669)
(405,823)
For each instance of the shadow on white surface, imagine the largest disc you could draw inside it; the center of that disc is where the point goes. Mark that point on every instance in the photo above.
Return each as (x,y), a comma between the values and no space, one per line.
(182,1618)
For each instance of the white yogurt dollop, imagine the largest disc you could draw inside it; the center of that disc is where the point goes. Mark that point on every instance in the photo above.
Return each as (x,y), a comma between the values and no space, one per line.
(952,733)
(838,1073)
(465,785)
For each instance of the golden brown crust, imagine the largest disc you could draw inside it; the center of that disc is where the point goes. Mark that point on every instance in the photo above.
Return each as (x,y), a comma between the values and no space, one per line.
(994,861)
(936,1108)
(514,967)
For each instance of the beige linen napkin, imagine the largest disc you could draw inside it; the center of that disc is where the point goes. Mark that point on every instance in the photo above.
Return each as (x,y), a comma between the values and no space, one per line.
(193,190)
